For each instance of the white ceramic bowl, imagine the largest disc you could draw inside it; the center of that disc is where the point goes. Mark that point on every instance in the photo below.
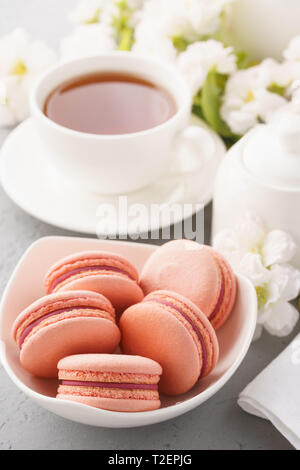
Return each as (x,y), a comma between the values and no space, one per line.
(26,285)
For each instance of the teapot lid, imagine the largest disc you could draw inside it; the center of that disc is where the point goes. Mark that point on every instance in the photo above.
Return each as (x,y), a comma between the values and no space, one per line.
(272,152)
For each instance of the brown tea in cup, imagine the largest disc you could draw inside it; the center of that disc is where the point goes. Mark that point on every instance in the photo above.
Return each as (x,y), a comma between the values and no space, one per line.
(109,103)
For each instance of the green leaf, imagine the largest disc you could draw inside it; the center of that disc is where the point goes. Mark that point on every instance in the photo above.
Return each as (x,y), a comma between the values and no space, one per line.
(197,99)
(197,105)
(274,88)
(95,18)
(211,100)
(180,43)
(243,61)
(197,110)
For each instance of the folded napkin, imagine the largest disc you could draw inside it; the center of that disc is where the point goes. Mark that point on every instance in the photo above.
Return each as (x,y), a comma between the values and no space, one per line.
(275,393)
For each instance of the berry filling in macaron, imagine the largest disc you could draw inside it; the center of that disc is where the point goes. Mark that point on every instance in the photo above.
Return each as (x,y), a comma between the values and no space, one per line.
(114,382)
(173,331)
(192,322)
(106,273)
(86,264)
(63,314)
(61,324)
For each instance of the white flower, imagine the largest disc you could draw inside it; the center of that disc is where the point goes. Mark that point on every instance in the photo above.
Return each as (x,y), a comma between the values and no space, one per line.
(250,236)
(87,41)
(190,19)
(150,41)
(13,101)
(270,72)
(263,258)
(251,266)
(87,11)
(292,52)
(278,247)
(255,94)
(169,16)
(162,25)
(110,13)
(158,23)
(240,108)
(22,57)
(276,314)
(135,4)
(204,15)
(202,56)
(250,231)
(21,61)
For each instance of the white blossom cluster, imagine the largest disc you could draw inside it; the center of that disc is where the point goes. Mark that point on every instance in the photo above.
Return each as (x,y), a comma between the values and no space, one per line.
(264,257)
(254,94)
(21,61)
(182,32)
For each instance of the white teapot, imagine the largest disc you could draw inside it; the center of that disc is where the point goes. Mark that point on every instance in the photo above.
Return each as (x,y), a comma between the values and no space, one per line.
(261,173)
(262,28)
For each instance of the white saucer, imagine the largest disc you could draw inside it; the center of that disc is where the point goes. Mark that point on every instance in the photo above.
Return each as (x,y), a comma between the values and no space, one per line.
(36,187)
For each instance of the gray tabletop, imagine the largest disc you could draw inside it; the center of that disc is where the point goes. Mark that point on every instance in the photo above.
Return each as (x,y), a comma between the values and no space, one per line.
(217,424)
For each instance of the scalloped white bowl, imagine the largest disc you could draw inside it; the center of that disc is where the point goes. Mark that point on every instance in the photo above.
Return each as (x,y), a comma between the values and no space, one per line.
(26,285)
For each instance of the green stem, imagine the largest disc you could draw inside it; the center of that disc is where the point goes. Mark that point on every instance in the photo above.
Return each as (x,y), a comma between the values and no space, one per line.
(126,39)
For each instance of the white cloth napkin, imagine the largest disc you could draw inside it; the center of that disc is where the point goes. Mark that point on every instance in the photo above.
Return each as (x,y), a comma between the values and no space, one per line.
(275,393)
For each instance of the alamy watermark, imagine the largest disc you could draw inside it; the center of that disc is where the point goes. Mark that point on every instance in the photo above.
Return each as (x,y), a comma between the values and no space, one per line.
(123,219)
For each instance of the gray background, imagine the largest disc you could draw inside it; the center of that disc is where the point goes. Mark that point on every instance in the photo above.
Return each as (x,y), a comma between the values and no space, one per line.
(217,424)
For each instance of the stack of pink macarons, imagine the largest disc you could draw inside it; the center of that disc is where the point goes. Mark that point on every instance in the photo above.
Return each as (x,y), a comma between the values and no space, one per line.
(164,322)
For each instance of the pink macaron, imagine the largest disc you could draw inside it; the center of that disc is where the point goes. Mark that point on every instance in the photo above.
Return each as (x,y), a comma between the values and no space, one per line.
(99,271)
(173,331)
(113,382)
(196,271)
(61,324)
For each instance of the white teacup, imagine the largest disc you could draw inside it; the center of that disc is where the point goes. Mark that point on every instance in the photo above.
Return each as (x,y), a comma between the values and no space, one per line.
(112,164)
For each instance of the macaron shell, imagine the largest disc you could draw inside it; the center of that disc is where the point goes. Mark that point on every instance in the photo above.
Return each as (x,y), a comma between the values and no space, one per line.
(200,321)
(41,353)
(229,294)
(114,363)
(58,301)
(114,404)
(149,331)
(85,259)
(120,291)
(187,268)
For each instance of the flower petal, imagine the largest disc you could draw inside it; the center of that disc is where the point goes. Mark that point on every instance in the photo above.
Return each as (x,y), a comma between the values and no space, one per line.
(274,293)
(13,101)
(226,242)
(282,320)
(287,278)
(279,247)
(202,56)
(292,52)
(252,267)
(250,231)
(87,41)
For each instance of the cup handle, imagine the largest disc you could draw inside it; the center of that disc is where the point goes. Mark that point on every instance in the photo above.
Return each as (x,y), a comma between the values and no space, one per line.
(200,149)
